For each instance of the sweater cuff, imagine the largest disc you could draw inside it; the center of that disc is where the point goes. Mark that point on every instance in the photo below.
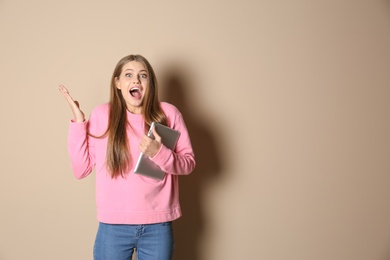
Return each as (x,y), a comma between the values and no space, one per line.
(162,156)
(77,127)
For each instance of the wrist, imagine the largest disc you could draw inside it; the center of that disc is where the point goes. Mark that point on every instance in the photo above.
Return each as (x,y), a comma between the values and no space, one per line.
(78,120)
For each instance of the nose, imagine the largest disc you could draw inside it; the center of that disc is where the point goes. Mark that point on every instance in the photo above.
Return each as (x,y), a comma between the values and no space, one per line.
(136,79)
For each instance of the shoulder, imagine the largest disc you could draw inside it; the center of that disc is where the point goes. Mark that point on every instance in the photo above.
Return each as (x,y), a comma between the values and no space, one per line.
(101,109)
(169,109)
(100,112)
(98,119)
(174,116)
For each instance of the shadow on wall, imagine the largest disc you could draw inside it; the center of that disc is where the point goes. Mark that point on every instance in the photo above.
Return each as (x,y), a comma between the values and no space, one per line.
(192,227)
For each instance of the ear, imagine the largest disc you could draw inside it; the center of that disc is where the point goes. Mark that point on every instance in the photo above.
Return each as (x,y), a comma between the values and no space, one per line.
(117,85)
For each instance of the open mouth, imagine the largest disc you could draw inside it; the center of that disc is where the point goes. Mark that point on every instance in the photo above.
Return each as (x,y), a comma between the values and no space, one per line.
(135,92)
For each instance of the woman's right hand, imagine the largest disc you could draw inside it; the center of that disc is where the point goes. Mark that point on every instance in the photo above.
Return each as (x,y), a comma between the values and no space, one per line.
(74,105)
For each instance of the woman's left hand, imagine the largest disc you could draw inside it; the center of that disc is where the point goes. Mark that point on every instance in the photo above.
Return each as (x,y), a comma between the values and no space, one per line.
(150,147)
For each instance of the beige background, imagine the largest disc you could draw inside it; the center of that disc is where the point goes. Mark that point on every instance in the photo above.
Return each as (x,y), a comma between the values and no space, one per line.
(287,103)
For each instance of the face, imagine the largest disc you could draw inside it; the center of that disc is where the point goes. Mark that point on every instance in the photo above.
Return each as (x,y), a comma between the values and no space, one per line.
(133,83)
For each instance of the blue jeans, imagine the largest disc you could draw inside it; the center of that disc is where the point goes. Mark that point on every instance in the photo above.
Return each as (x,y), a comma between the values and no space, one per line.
(117,242)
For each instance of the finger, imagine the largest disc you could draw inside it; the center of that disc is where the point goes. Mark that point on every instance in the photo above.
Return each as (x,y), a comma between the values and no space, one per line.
(66,94)
(63,90)
(144,144)
(141,147)
(69,98)
(145,141)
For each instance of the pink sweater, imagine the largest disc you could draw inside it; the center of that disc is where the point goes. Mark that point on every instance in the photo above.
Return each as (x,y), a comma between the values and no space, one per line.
(135,199)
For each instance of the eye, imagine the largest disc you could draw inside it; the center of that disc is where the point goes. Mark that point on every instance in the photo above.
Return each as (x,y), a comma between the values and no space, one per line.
(144,76)
(128,75)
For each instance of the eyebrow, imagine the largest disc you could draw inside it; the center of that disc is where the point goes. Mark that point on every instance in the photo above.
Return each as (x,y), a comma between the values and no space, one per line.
(133,70)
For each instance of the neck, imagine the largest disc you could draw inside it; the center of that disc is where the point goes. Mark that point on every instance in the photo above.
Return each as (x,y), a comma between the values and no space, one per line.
(135,110)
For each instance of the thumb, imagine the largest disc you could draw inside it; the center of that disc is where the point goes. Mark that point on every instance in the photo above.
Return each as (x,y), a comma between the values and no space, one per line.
(157,137)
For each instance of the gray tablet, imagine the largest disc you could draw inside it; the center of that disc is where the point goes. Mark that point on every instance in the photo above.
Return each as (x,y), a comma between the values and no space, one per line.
(147,167)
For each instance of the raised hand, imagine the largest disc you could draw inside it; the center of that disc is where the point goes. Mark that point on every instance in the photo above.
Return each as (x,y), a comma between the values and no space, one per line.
(74,105)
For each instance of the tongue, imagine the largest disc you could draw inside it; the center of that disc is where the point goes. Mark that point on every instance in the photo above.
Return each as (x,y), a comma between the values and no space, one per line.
(136,94)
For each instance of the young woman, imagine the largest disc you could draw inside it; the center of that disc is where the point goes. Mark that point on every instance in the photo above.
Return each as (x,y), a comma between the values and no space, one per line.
(135,212)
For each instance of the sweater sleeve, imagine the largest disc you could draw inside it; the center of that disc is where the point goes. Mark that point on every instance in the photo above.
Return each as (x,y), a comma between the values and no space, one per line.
(81,149)
(181,161)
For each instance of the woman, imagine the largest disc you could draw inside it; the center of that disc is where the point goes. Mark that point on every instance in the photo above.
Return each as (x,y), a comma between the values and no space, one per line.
(135,212)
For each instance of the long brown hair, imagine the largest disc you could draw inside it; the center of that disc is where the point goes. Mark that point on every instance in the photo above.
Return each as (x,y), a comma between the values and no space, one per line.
(118,155)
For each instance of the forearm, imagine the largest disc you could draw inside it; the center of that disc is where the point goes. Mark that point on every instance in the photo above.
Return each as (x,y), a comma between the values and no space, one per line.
(79,148)
(182,163)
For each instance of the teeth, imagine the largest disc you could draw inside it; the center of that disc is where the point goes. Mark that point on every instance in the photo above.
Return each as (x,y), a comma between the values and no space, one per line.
(134,89)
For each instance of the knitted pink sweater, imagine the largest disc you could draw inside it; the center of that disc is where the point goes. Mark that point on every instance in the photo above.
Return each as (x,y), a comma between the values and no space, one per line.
(134,199)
